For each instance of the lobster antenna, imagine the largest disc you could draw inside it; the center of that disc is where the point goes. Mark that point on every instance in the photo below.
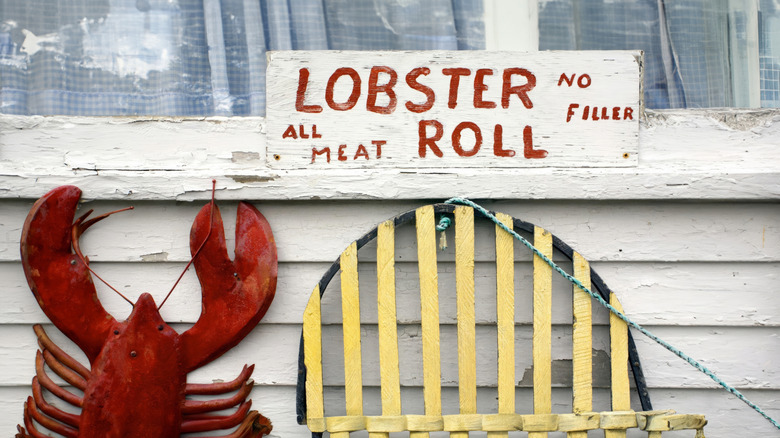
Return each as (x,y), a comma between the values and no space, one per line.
(197,252)
(78,229)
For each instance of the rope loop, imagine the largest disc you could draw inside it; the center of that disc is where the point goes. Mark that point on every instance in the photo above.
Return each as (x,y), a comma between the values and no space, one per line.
(444,223)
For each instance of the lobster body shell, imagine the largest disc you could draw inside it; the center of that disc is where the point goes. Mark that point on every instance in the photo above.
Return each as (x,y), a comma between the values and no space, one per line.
(136,385)
(151,386)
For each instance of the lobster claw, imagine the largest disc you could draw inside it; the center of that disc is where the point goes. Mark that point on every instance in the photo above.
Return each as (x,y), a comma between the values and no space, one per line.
(59,278)
(236,294)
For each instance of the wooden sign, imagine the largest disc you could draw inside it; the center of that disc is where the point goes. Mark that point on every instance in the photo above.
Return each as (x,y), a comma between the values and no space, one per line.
(437,109)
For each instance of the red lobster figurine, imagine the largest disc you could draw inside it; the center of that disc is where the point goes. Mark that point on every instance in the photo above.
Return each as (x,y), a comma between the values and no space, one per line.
(136,385)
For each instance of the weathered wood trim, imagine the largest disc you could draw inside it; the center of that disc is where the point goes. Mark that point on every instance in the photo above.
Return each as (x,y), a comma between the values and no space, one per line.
(684,155)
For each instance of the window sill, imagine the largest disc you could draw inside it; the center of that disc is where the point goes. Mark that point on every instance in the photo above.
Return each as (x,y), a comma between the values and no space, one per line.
(684,154)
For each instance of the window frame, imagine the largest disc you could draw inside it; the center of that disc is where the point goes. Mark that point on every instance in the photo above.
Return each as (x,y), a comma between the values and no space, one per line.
(728,154)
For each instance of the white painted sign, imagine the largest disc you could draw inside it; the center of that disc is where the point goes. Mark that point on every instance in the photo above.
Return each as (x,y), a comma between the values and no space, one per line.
(337,110)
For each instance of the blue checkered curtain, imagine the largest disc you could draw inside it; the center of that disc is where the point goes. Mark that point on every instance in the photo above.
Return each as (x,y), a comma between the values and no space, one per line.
(690,45)
(196,57)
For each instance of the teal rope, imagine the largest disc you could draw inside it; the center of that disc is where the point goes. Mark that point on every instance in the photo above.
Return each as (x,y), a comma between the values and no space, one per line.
(443,225)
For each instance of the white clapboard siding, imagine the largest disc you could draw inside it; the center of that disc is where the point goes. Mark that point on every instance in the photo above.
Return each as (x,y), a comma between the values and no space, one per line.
(737,294)
(319,231)
(740,311)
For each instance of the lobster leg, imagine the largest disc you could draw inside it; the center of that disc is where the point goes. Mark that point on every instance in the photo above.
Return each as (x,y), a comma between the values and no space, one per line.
(55,389)
(254,426)
(46,344)
(194,422)
(200,406)
(31,430)
(21,432)
(61,370)
(204,423)
(219,388)
(47,422)
(46,408)
(236,294)
(58,278)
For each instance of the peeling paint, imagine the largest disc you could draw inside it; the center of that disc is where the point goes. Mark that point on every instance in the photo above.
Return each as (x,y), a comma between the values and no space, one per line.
(562,372)
(243,157)
(734,119)
(243,179)
(155,257)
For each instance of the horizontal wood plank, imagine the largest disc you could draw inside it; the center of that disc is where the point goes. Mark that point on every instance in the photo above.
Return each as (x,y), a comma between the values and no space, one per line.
(662,369)
(319,231)
(737,294)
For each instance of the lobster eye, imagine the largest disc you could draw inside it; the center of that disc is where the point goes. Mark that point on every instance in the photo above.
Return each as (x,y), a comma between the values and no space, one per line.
(160,327)
(116,332)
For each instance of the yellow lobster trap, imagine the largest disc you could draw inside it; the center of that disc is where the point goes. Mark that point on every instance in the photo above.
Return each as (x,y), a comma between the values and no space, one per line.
(419,340)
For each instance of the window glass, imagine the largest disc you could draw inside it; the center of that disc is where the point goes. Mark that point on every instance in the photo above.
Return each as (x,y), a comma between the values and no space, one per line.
(685,43)
(196,57)
(769,52)
(698,53)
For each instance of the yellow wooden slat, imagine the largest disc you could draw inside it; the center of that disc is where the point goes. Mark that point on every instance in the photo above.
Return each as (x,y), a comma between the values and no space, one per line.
(421,424)
(542,337)
(505,317)
(619,419)
(429,309)
(312,351)
(501,423)
(388,332)
(621,396)
(386,423)
(387,326)
(348,423)
(350,311)
(582,341)
(674,422)
(464,285)
(582,422)
(460,424)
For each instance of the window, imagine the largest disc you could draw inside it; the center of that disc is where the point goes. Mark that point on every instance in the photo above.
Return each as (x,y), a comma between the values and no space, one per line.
(196,57)
(698,53)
